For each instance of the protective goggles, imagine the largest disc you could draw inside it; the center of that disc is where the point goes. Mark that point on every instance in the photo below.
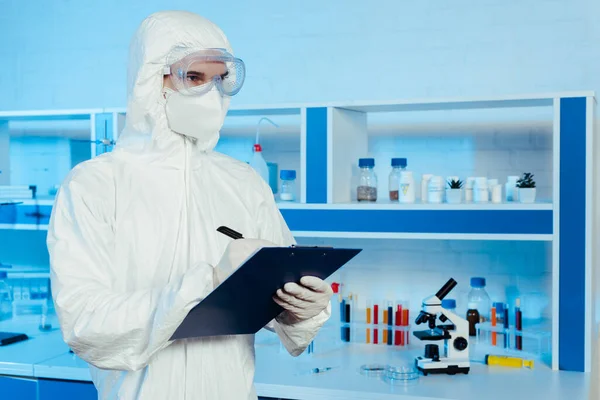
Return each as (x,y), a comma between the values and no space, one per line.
(196,73)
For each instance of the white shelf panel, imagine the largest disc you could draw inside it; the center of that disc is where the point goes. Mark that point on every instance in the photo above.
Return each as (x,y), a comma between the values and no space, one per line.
(415,206)
(423,236)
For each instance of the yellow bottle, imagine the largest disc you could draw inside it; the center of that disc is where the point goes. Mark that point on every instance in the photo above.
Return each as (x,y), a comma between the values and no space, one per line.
(505,361)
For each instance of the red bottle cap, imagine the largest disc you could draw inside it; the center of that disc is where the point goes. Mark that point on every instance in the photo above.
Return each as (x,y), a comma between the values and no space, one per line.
(334,286)
(257,148)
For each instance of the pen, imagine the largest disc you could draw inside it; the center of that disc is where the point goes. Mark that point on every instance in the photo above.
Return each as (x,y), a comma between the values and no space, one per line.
(230,232)
(506,327)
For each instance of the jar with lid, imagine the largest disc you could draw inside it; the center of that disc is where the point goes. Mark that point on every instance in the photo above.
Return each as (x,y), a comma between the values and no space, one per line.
(288,185)
(398,166)
(367,186)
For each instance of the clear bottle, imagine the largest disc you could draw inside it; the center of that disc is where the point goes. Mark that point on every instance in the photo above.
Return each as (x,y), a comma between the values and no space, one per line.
(398,165)
(288,185)
(5,298)
(259,164)
(479,299)
(367,186)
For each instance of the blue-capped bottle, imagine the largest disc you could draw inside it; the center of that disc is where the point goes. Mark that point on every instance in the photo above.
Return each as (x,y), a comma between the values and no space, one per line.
(367,185)
(288,185)
(479,299)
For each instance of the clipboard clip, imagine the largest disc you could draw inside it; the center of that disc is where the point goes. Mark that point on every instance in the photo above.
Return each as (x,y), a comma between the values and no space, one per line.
(310,247)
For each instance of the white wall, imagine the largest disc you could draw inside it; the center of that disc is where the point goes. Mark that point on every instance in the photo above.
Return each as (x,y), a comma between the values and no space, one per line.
(65,54)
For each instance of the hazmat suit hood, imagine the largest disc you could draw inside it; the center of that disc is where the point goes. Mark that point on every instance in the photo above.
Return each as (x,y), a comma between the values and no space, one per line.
(147,132)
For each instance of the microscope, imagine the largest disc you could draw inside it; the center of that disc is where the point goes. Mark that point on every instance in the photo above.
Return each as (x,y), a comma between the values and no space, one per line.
(455,336)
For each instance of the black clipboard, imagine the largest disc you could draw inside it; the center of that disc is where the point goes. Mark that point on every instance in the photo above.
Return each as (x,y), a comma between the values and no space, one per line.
(243,303)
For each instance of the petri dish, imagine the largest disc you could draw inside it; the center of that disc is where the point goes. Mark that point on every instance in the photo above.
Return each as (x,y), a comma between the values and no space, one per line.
(373,369)
(401,375)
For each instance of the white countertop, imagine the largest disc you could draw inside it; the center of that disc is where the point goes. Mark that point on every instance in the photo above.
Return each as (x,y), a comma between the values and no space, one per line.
(280,376)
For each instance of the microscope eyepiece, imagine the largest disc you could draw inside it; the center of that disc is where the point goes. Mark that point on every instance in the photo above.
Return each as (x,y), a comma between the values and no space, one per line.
(447,288)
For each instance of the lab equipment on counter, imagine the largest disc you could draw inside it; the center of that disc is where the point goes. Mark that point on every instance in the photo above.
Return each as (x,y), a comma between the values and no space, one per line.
(6,298)
(288,185)
(481,192)
(373,369)
(456,339)
(449,304)
(425,187)
(506,361)
(402,375)
(243,303)
(367,186)
(473,318)
(511,188)
(435,190)
(480,298)
(518,326)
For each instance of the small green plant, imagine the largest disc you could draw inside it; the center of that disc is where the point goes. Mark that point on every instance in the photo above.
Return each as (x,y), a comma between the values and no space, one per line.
(455,184)
(526,181)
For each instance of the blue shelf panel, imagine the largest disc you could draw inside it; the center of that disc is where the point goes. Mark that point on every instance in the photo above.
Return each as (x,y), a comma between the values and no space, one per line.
(494,222)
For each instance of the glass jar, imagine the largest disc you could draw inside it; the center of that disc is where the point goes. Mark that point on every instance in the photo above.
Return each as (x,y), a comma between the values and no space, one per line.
(367,185)
(398,166)
(288,185)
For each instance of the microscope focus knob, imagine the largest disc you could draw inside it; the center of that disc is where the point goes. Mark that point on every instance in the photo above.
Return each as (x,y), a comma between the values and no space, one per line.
(460,343)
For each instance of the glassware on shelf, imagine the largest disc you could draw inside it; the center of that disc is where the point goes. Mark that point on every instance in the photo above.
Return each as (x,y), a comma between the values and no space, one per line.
(288,185)
(367,186)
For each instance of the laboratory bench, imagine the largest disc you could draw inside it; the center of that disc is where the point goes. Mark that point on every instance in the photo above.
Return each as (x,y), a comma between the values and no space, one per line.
(42,368)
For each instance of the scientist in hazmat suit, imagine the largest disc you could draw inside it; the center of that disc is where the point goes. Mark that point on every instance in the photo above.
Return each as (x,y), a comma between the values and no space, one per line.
(132,238)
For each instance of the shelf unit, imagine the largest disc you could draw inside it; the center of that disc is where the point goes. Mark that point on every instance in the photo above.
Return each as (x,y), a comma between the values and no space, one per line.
(334,135)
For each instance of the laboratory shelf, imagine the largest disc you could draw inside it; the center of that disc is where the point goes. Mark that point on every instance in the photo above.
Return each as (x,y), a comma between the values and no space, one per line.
(323,142)
(421,221)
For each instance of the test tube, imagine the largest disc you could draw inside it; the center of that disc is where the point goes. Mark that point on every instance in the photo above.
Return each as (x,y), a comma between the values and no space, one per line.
(506,328)
(385,322)
(398,334)
(405,322)
(348,314)
(368,310)
(390,312)
(494,334)
(375,323)
(518,326)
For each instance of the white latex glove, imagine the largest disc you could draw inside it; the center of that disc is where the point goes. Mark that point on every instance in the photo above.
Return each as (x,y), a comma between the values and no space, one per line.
(235,254)
(305,300)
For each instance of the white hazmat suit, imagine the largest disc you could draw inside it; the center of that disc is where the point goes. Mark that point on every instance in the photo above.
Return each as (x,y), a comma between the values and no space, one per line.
(133,243)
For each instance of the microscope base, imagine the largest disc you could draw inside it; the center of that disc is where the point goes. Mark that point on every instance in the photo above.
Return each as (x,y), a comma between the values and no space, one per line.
(428,366)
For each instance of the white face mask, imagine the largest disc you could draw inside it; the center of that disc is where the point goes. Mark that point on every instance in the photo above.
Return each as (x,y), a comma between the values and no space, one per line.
(200,117)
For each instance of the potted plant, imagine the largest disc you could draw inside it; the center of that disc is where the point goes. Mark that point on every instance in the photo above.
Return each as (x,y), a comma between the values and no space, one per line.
(526,188)
(454,191)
